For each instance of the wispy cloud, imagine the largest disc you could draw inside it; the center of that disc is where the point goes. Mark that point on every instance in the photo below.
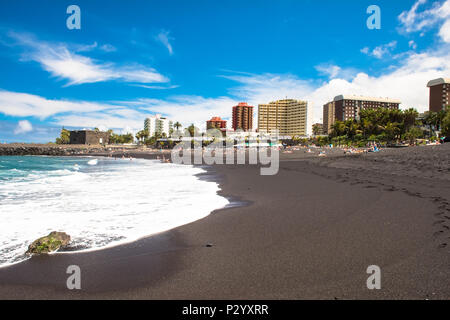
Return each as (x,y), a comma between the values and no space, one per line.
(157,87)
(165,38)
(416,20)
(380,51)
(333,71)
(90,47)
(328,69)
(61,62)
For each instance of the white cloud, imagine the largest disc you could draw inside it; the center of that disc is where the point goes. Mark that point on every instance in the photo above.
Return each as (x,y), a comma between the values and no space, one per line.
(380,51)
(58,60)
(19,104)
(23,126)
(68,113)
(328,69)
(444,32)
(414,20)
(164,38)
(406,82)
(333,71)
(126,115)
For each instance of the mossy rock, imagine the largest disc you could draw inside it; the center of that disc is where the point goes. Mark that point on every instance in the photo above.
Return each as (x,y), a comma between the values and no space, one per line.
(53,242)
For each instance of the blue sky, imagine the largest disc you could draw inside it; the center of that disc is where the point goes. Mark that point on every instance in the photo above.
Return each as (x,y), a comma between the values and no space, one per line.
(191,60)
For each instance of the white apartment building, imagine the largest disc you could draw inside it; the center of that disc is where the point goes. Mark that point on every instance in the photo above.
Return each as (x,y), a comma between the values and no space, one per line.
(158,124)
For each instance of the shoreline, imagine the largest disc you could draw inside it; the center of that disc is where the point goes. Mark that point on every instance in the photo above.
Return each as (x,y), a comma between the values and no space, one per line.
(205,176)
(307,233)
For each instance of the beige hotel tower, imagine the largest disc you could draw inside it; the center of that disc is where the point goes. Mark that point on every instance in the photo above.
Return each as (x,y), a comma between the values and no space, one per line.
(290,117)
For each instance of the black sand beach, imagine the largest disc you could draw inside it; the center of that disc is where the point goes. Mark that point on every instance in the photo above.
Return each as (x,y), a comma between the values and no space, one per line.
(309,232)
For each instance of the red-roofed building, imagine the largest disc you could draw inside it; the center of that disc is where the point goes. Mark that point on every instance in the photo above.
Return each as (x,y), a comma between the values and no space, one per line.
(217,123)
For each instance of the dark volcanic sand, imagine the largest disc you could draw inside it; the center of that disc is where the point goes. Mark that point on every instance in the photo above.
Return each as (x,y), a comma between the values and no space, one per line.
(309,232)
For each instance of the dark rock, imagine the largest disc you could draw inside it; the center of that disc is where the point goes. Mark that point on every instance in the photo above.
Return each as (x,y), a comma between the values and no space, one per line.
(53,242)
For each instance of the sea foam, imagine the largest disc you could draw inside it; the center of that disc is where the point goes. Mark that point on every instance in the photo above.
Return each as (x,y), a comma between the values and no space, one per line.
(113,202)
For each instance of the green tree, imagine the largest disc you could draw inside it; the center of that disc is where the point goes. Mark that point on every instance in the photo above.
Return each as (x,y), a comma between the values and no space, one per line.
(142,135)
(120,138)
(440,116)
(64,137)
(430,120)
(445,129)
(192,130)
(412,134)
(351,129)
(338,129)
(317,129)
(409,118)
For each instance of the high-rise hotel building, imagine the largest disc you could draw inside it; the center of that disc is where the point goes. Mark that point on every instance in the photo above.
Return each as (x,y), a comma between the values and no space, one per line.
(439,94)
(289,117)
(349,107)
(345,107)
(328,117)
(243,117)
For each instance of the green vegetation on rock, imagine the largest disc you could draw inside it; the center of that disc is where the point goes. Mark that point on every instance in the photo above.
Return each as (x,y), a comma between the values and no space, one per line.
(53,242)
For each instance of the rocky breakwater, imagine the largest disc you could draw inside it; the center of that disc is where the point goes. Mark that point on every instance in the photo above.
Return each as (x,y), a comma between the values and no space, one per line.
(46,150)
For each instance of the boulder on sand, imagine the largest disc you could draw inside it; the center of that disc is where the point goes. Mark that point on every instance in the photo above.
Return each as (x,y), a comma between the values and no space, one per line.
(50,243)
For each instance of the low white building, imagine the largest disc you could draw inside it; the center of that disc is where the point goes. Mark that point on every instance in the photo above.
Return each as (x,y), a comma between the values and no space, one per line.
(158,124)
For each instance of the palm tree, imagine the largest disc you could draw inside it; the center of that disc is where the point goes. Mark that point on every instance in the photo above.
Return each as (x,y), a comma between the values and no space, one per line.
(192,129)
(317,130)
(409,118)
(338,128)
(177,125)
(142,135)
(430,120)
(440,117)
(446,123)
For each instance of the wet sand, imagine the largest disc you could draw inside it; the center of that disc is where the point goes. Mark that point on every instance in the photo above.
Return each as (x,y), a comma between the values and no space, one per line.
(309,232)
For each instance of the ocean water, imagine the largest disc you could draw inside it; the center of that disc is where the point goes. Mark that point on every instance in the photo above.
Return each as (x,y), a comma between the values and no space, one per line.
(99,202)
